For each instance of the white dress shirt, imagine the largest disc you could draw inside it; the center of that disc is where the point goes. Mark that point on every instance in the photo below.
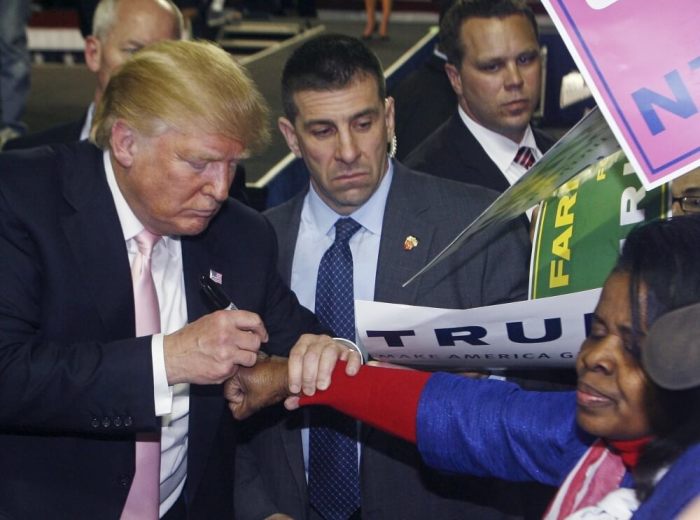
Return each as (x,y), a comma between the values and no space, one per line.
(317,234)
(500,149)
(85,132)
(172,403)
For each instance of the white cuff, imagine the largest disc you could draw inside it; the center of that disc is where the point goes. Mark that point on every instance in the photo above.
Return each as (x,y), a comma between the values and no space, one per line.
(162,393)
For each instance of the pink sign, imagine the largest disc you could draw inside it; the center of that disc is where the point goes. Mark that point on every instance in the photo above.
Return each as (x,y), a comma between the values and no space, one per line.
(641,58)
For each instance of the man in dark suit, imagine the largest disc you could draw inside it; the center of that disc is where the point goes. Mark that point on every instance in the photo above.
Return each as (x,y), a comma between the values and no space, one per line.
(120,28)
(339,121)
(494,66)
(80,395)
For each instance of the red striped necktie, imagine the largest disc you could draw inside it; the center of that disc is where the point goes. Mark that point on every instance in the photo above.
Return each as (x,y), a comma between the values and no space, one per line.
(525,157)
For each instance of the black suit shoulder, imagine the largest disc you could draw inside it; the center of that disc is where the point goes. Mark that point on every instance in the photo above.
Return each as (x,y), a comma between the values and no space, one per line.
(452,152)
(242,216)
(64,133)
(445,203)
(544,141)
(279,215)
(34,177)
(451,195)
(423,101)
(439,144)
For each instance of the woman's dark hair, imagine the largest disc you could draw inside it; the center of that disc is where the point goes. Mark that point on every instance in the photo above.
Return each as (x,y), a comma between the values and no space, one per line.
(662,257)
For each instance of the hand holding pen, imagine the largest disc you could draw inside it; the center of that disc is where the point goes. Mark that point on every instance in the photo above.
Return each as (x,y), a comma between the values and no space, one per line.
(212,348)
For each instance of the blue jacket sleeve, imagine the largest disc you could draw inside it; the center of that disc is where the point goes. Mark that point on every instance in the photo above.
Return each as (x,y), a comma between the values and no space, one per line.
(494,428)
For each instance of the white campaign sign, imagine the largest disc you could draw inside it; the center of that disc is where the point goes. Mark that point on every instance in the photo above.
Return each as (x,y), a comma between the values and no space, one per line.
(547,332)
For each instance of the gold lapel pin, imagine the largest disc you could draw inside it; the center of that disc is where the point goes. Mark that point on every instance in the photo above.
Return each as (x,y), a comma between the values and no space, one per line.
(410,243)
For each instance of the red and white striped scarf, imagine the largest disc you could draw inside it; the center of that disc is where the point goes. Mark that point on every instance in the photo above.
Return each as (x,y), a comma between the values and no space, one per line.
(599,472)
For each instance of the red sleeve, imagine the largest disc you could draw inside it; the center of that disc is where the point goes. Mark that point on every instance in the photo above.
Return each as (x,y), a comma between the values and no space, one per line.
(386,398)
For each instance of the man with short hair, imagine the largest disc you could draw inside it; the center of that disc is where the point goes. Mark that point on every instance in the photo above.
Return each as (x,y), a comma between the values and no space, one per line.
(339,121)
(120,28)
(110,403)
(495,68)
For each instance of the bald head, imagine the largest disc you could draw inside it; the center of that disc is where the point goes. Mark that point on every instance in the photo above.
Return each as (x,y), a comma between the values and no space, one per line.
(122,27)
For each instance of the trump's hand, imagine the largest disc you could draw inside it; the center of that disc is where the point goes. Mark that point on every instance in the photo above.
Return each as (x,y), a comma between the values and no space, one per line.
(274,379)
(211,349)
(311,362)
(253,388)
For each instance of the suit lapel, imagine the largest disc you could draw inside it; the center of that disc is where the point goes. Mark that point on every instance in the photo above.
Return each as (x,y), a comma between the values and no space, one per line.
(94,236)
(206,401)
(402,218)
(544,141)
(287,229)
(195,262)
(482,169)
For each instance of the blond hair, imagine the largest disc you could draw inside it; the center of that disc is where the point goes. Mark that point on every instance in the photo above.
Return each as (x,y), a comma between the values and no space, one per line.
(184,86)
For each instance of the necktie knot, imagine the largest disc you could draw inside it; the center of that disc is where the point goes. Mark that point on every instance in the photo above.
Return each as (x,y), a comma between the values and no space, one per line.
(345,228)
(525,157)
(145,295)
(146,241)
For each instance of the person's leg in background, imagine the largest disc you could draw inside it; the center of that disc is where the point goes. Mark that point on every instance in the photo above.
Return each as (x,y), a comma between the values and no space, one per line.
(15,67)
(370,7)
(386,14)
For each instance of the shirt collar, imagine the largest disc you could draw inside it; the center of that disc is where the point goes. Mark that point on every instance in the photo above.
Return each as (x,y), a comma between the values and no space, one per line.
(499,148)
(370,215)
(85,131)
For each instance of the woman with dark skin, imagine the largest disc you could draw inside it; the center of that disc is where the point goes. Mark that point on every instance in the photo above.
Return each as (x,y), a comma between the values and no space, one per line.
(621,446)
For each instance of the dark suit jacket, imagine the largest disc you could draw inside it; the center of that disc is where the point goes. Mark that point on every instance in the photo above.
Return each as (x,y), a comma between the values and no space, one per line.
(453,152)
(76,385)
(65,133)
(70,132)
(423,101)
(395,483)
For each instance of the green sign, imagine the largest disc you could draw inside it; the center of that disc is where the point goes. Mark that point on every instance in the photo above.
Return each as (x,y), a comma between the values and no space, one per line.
(582,226)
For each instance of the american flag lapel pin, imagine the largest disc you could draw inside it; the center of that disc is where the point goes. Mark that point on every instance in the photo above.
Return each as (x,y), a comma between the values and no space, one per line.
(216,277)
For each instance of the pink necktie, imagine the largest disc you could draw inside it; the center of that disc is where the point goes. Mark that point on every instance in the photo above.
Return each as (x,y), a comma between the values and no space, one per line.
(143,501)
(525,157)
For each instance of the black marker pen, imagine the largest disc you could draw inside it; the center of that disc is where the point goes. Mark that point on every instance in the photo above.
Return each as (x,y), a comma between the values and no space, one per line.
(216,294)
